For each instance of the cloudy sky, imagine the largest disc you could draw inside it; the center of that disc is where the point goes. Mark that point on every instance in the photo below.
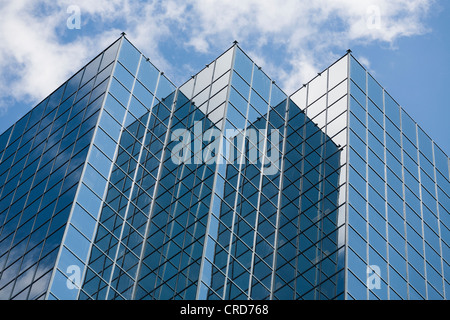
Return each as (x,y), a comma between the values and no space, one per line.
(405,44)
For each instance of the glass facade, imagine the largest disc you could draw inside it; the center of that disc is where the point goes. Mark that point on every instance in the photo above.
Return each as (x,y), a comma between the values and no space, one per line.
(41,163)
(122,186)
(398,199)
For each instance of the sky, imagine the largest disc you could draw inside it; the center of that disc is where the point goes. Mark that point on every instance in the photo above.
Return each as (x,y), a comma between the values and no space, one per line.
(405,44)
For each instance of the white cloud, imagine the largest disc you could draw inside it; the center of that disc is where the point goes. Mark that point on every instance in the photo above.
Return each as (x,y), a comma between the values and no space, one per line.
(33,60)
(35,57)
(309,31)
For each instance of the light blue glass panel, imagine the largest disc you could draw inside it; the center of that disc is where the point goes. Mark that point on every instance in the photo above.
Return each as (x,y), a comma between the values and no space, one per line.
(119,92)
(77,243)
(240,85)
(148,75)
(441,163)
(125,77)
(375,92)
(129,56)
(94,180)
(110,126)
(358,127)
(60,288)
(243,65)
(99,161)
(261,83)
(105,143)
(277,96)
(356,288)
(357,240)
(398,283)
(69,264)
(91,69)
(358,74)
(115,108)
(358,145)
(258,103)
(417,282)
(83,221)
(356,180)
(144,96)
(165,88)
(425,144)
(235,117)
(357,266)
(376,113)
(88,200)
(392,110)
(358,94)
(4,138)
(409,127)
(110,54)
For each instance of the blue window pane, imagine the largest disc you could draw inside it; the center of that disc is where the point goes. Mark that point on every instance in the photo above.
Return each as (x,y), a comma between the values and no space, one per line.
(105,143)
(77,243)
(358,74)
(392,110)
(148,75)
(357,181)
(73,85)
(375,92)
(144,97)
(356,288)
(89,201)
(91,69)
(68,263)
(358,163)
(110,54)
(261,84)
(119,92)
(258,103)
(376,113)
(409,127)
(358,145)
(240,85)
(111,127)
(94,180)
(425,144)
(357,266)
(99,161)
(165,88)
(277,96)
(55,99)
(129,56)
(115,108)
(83,221)
(125,77)
(417,281)
(243,65)
(441,162)
(358,94)
(60,288)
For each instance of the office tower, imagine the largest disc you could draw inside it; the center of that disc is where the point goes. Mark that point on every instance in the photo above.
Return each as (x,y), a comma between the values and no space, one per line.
(120,185)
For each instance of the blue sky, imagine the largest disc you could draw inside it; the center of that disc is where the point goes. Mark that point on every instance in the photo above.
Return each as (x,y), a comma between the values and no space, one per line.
(405,44)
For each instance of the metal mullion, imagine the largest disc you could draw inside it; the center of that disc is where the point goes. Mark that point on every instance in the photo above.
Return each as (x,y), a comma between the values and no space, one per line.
(131,188)
(96,128)
(155,191)
(280,195)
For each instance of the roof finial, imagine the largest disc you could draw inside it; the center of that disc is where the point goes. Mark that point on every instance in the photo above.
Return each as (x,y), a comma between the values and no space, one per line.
(235,42)
(123,34)
(349,51)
